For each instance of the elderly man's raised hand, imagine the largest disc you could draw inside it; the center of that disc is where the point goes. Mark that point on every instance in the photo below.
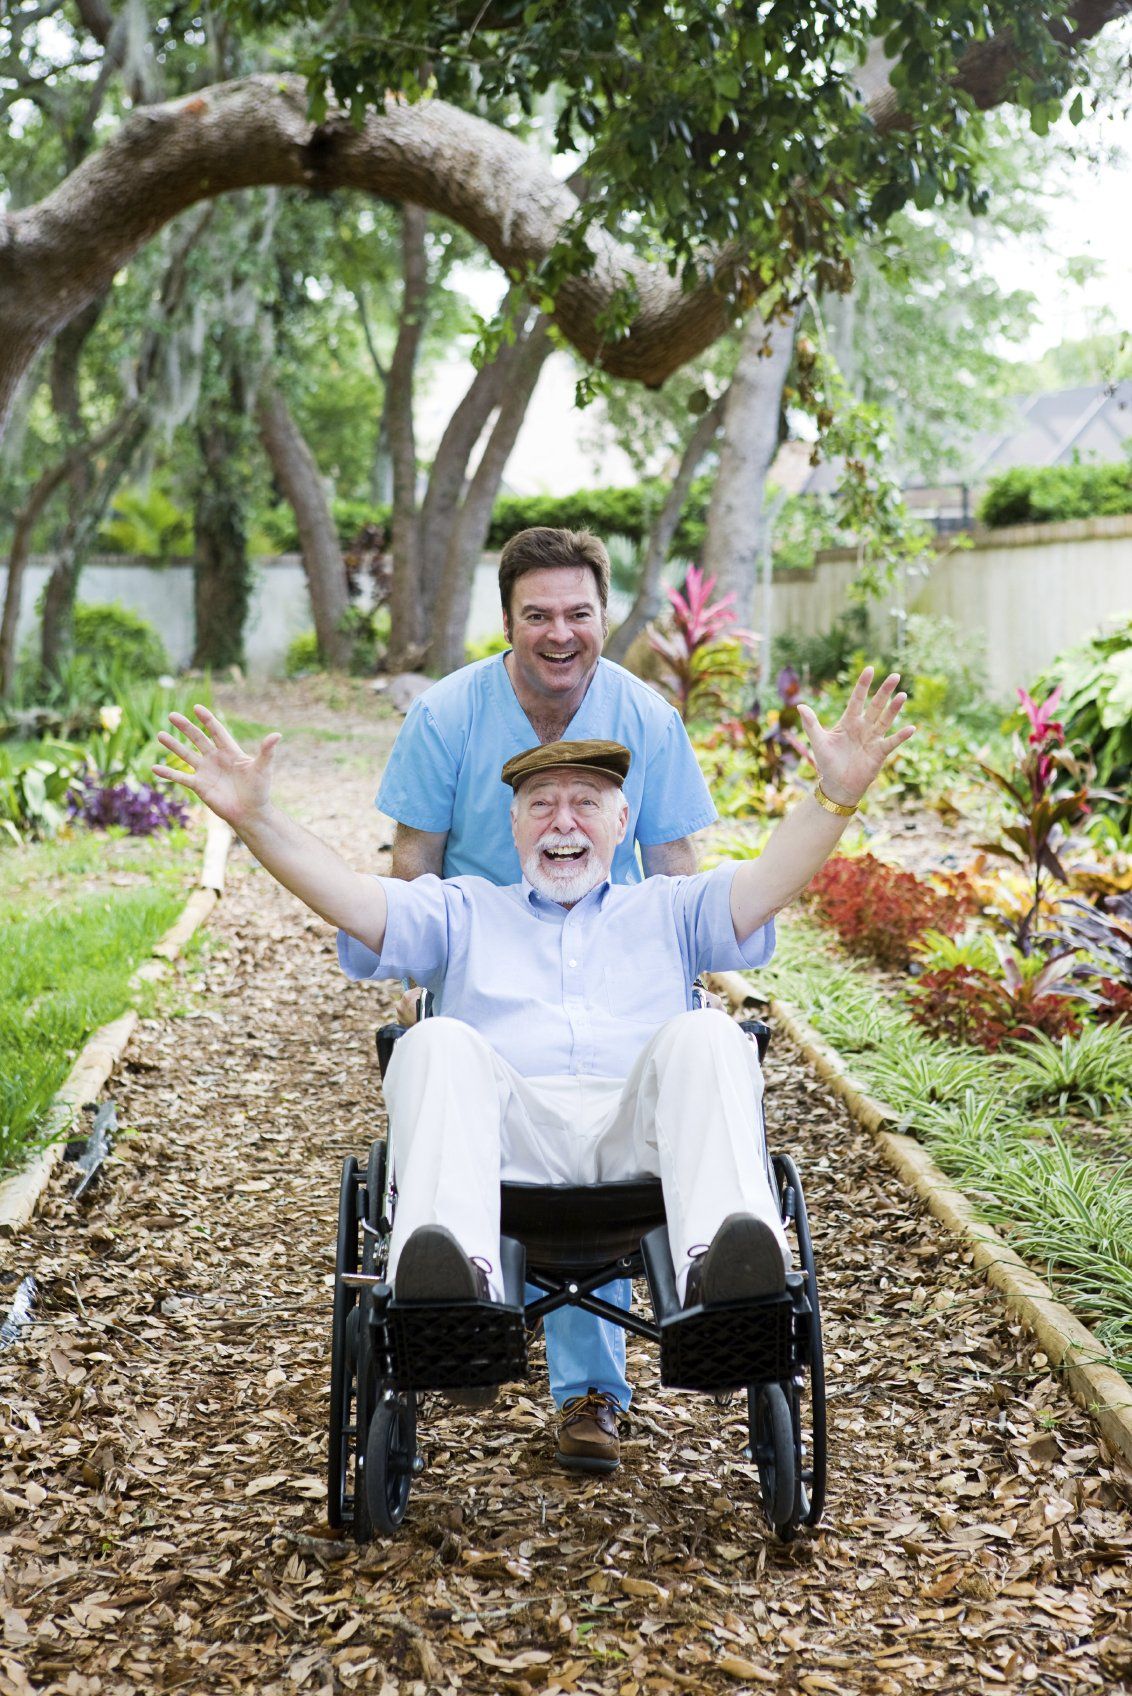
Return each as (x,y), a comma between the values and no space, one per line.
(234,784)
(850,753)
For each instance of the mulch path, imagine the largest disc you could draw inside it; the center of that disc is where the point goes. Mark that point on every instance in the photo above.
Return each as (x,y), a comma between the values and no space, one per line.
(162,1505)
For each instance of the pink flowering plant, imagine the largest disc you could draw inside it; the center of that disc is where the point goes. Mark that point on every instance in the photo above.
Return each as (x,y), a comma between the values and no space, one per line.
(703,662)
(1048,791)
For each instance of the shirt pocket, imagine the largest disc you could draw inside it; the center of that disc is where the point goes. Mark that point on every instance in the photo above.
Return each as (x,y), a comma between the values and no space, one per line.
(648,987)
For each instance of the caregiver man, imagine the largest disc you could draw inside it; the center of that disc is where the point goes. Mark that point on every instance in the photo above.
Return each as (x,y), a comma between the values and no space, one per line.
(442,786)
(564,1050)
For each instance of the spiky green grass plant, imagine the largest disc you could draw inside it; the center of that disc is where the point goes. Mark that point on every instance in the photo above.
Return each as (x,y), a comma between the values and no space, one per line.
(994,1123)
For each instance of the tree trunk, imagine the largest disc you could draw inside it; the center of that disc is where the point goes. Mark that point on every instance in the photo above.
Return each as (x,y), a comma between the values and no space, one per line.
(297,475)
(221,570)
(648,601)
(57,631)
(747,450)
(406,612)
(448,474)
(26,520)
(469,532)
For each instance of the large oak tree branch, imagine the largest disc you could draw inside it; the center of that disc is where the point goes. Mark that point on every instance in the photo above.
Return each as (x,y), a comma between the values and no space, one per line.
(56,254)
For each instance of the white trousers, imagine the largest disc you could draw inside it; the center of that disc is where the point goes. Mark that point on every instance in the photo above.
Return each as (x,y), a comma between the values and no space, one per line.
(461,1119)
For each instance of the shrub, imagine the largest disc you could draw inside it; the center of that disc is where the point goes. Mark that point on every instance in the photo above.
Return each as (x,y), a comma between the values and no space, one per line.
(111,639)
(880,911)
(822,658)
(302,654)
(145,522)
(1033,494)
(1091,1071)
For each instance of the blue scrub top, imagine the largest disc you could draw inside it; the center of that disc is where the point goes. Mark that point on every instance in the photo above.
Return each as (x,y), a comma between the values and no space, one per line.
(443,772)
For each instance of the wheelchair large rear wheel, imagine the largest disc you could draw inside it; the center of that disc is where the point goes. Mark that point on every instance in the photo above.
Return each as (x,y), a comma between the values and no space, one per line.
(807,1393)
(344,1333)
(391,1451)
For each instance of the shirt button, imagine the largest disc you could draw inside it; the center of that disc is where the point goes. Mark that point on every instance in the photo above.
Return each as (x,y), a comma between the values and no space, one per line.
(571,962)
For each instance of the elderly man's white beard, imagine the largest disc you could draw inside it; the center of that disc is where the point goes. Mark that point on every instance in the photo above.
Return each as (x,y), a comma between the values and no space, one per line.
(572,879)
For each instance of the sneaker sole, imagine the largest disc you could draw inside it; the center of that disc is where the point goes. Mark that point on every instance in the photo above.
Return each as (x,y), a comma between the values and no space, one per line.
(586,1463)
(433,1267)
(744,1262)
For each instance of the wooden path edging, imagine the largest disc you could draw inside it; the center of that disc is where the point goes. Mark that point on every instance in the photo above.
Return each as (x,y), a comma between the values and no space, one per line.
(21,1193)
(1067,1343)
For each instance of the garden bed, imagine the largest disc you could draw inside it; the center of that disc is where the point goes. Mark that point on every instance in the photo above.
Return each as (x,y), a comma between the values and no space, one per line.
(1002,1126)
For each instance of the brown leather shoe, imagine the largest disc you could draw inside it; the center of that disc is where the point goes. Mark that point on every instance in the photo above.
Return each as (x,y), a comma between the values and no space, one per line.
(587,1434)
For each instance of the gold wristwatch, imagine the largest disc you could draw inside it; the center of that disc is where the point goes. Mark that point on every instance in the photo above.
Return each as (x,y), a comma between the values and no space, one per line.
(823,800)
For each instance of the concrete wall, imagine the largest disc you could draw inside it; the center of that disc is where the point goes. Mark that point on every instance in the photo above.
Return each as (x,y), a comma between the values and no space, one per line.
(1028,592)
(280,607)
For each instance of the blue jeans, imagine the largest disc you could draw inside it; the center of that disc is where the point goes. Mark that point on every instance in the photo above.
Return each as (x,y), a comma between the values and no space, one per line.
(584,1352)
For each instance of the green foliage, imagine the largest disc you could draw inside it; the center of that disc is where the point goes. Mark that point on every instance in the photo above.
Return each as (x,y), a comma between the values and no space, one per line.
(1070,1213)
(369,633)
(482,650)
(114,639)
(144,522)
(33,793)
(623,512)
(1096,700)
(821,658)
(707,125)
(110,742)
(276,531)
(1091,360)
(1043,494)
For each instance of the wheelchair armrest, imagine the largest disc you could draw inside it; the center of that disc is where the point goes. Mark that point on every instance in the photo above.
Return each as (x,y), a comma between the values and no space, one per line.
(386,1038)
(760,1032)
(388,1035)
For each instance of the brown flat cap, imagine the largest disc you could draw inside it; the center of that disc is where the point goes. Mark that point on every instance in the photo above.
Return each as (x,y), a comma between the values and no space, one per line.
(609,758)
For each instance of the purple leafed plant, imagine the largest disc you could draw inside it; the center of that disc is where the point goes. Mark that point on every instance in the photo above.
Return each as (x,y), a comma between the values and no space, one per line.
(137,808)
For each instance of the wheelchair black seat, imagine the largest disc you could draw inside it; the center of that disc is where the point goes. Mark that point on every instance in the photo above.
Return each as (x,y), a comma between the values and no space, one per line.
(577,1230)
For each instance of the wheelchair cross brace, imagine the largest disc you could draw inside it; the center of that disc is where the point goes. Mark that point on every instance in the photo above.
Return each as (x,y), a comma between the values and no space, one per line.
(578,1292)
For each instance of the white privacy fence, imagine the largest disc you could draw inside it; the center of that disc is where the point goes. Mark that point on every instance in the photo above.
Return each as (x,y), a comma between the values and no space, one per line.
(1026,593)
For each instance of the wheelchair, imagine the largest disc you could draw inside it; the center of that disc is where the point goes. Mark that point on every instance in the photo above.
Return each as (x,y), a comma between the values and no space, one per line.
(567,1243)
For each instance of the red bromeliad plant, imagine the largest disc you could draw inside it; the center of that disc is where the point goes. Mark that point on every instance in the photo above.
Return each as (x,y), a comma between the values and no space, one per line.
(704,653)
(1049,790)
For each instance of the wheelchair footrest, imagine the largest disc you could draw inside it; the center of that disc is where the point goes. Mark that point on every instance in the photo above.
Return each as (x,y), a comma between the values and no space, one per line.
(460,1345)
(727,1346)
(455,1345)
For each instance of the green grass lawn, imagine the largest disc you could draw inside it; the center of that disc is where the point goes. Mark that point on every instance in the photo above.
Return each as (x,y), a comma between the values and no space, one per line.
(76,916)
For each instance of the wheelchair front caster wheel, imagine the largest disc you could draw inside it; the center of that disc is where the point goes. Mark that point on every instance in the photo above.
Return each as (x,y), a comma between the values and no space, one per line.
(772,1442)
(391,1462)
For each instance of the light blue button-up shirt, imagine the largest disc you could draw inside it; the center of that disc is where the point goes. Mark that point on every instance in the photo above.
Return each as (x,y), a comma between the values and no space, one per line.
(555,990)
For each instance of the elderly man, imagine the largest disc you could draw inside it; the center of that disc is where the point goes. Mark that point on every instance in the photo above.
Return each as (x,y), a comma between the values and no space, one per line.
(442,785)
(565,1051)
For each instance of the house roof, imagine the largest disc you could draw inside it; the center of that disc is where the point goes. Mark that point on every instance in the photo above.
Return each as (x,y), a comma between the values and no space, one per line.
(1054,428)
